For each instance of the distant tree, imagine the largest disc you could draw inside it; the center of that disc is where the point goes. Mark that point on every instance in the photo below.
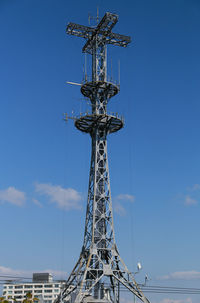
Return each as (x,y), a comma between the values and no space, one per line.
(3,300)
(30,299)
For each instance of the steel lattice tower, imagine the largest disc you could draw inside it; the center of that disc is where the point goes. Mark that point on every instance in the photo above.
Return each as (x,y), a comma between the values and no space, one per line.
(100,270)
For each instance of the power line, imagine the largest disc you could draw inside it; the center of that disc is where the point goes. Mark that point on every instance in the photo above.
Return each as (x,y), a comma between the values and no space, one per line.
(157,289)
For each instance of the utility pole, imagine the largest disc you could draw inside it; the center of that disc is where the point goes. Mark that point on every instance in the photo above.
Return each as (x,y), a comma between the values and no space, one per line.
(99,270)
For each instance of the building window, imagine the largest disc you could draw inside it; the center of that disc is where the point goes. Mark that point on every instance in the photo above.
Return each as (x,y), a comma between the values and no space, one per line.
(38,286)
(10,287)
(38,291)
(57,285)
(56,290)
(48,290)
(18,286)
(18,297)
(48,285)
(28,286)
(47,296)
(18,291)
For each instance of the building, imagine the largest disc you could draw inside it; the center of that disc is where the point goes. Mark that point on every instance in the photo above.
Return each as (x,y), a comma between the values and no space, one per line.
(42,287)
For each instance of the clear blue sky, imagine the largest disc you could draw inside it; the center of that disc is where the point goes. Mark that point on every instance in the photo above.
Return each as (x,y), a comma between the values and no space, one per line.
(154,160)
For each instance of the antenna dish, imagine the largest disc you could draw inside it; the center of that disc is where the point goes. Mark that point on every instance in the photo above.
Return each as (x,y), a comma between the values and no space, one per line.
(139,266)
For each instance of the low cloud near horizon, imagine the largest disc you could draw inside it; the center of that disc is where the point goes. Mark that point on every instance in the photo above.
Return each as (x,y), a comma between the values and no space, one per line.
(168,300)
(191,197)
(14,273)
(182,275)
(63,198)
(13,196)
(190,201)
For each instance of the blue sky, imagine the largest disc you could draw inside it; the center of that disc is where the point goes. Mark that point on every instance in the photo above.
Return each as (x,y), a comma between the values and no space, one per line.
(154,161)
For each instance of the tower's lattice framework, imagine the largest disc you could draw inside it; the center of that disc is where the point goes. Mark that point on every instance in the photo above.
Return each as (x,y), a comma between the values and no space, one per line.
(100,270)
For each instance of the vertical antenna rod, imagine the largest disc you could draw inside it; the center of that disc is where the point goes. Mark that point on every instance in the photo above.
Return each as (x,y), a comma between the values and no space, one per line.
(99,270)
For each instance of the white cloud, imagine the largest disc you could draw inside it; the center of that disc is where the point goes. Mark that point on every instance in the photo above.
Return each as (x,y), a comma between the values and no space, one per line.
(119,209)
(190,201)
(182,275)
(125,197)
(64,198)
(195,187)
(7,271)
(17,273)
(167,300)
(36,202)
(13,196)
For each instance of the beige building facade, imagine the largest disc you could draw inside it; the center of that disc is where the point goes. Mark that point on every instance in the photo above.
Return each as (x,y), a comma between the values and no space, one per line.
(42,287)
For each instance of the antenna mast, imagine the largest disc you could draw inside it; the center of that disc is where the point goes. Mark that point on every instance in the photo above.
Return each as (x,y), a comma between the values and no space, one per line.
(100,270)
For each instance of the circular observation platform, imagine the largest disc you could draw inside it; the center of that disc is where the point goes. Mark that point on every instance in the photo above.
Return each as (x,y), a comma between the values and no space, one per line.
(110,123)
(108,89)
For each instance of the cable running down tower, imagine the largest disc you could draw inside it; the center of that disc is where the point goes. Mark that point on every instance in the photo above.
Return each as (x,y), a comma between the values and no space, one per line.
(100,270)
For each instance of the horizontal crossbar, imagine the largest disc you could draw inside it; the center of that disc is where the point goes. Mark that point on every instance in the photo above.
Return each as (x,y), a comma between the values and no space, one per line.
(102,33)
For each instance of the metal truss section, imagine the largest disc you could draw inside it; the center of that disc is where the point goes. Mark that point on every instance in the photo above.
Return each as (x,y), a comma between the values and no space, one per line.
(79,30)
(100,270)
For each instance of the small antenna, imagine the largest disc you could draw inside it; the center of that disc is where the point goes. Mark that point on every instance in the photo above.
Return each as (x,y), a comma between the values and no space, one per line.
(90,17)
(111,69)
(85,67)
(119,71)
(146,279)
(97,14)
(73,83)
